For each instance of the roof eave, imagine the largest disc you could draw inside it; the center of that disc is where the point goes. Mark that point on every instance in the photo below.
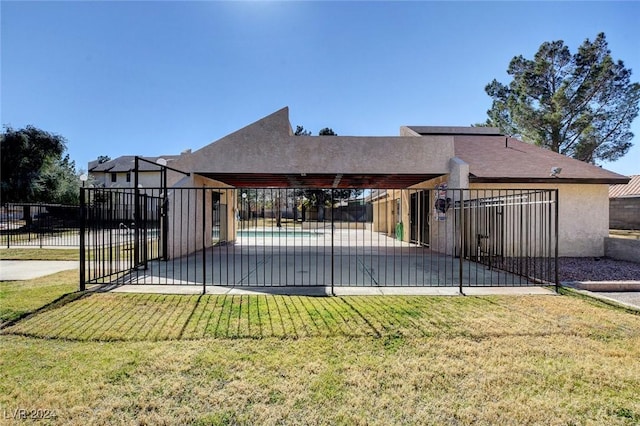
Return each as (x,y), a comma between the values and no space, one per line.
(552,180)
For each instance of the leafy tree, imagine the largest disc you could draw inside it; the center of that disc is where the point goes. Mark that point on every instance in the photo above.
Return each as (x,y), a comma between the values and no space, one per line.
(322,197)
(327,131)
(580,105)
(300,131)
(58,182)
(103,159)
(33,166)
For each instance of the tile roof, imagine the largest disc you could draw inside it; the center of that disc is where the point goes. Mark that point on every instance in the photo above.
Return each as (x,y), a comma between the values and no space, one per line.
(632,189)
(502,159)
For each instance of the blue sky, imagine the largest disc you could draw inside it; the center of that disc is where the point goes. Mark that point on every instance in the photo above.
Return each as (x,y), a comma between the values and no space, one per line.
(154,78)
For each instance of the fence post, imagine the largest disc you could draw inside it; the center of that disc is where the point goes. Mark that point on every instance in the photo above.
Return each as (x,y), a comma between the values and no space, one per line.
(145,221)
(6,207)
(164,215)
(40,224)
(555,254)
(204,247)
(136,216)
(461,225)
(82,240)
(332,246)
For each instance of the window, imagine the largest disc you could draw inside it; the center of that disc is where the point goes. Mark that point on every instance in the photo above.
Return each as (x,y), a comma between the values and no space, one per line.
(128,176)
(114,177)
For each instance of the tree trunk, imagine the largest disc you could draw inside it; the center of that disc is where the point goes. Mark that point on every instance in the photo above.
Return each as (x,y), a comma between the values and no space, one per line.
(26,215)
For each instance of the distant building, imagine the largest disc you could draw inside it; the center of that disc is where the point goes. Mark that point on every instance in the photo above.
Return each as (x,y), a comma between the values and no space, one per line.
(119,172)
(624,205)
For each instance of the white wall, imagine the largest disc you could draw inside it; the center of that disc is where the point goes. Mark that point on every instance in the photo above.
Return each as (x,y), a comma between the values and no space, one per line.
(146,179)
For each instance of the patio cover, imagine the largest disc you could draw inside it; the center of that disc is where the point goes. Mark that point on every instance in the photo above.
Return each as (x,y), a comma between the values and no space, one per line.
(267,154)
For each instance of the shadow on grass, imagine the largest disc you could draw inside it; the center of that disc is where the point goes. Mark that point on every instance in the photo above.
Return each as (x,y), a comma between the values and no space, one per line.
(54,304)
(155,317)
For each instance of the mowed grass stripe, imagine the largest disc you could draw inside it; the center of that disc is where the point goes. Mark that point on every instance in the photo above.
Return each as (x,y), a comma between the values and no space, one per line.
(124,325)
(195,319)
(151,317)
(105,319)
(276,318)
(347,323)
(60,321)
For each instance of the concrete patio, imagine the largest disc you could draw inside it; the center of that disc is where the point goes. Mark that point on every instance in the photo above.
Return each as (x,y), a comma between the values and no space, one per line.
(356,259)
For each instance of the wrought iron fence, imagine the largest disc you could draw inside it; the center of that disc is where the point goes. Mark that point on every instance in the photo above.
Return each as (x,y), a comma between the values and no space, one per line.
(278,237)
(40,225)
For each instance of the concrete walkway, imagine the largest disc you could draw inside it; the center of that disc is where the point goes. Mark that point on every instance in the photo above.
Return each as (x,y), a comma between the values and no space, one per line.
(625,293)
(325,291)
(628,298)
(19,270)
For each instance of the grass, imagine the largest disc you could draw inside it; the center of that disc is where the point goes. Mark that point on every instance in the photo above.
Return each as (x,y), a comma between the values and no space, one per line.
(625,233)
(19,298)
(121,251)
(269,223)
(39,254)
(108,358)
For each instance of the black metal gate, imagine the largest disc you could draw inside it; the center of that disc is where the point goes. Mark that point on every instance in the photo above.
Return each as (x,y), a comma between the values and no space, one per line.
(122,230)
(319,237)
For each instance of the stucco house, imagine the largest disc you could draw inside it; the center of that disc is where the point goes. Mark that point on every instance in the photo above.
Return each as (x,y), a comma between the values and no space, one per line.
(624,205)
(266,153)
(437,206)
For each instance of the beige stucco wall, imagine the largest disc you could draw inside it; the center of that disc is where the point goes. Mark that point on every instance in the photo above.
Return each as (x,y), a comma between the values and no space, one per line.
(269,146)
(187,217)
(583,216)
(382,215)
(386,214)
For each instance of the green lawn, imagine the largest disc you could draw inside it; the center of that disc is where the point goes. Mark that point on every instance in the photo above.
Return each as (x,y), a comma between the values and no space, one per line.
(164,359)
(18,298)
(39,254)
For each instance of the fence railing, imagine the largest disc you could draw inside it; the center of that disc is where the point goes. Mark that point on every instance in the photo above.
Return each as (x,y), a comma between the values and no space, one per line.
(266,237)
(39,225)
